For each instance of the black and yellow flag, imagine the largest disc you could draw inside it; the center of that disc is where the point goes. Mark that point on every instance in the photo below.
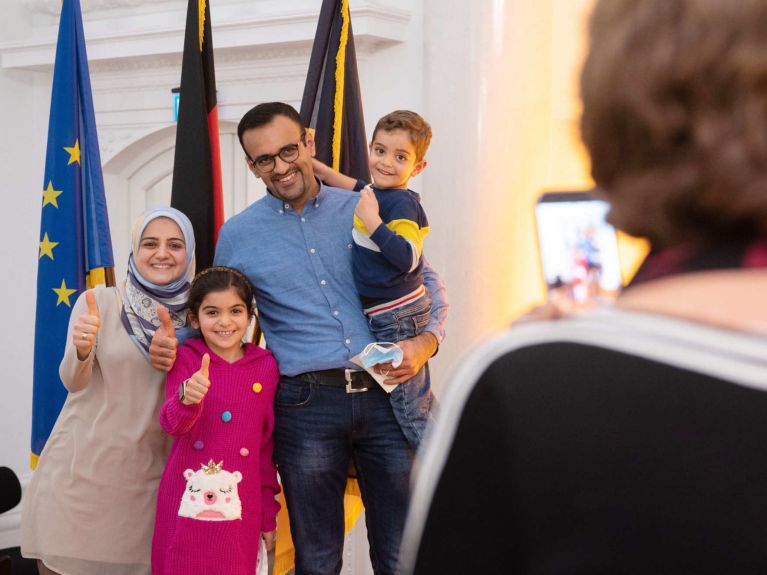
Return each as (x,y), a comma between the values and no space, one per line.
(332,104)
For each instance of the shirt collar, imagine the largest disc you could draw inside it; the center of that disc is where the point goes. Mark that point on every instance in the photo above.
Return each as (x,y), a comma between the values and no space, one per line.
(281,206)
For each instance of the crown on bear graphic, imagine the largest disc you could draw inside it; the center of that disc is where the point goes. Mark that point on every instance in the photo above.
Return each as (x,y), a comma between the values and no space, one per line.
(212,468)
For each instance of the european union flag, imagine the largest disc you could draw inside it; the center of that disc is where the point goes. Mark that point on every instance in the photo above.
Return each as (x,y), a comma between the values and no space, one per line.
(75,246)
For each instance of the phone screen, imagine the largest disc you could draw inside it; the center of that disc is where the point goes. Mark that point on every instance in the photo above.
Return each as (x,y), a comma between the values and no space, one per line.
(578,247)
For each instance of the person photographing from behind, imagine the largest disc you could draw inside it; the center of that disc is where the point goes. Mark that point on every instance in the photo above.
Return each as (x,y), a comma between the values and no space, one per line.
(629,440)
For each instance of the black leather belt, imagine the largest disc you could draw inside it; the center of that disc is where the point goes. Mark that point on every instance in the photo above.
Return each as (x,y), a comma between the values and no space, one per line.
(353,381)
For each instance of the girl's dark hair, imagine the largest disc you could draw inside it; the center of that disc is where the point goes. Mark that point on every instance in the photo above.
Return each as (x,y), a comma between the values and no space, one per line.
(219,278)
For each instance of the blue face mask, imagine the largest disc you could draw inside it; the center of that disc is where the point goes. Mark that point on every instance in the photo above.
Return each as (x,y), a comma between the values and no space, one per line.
(377,352)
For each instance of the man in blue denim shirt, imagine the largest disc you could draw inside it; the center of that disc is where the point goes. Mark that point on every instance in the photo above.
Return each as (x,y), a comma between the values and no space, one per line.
(295,245)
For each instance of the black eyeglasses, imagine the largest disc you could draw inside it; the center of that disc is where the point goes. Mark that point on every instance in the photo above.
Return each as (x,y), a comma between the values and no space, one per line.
(289,153)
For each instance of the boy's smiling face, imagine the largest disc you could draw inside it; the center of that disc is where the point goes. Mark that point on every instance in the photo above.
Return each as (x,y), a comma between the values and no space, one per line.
(393,159)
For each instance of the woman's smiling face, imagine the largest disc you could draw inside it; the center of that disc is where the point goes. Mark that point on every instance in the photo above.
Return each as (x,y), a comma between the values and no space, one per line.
(161,256)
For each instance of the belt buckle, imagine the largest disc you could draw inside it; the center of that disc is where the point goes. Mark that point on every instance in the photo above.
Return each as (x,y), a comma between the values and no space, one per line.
(348,376)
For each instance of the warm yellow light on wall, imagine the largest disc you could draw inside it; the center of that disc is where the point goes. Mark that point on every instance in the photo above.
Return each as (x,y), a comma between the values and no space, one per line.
(554,131)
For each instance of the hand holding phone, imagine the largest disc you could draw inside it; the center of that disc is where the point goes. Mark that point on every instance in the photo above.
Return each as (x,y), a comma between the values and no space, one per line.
(578,248)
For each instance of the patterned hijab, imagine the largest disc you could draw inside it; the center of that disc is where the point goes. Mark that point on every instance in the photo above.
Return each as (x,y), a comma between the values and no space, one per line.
(141,297)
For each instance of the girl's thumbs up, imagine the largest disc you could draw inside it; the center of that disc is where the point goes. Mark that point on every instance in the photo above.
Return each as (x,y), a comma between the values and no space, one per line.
(204,365)
(196,387)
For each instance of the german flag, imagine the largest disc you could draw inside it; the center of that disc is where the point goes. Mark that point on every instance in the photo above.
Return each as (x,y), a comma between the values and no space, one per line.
(332,102)
(197,189)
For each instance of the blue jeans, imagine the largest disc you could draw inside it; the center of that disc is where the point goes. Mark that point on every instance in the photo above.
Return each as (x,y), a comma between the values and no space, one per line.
(412,400)
(318,431)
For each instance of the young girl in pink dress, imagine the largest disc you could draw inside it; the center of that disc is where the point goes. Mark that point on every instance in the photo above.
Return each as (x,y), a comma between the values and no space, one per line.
(217,494)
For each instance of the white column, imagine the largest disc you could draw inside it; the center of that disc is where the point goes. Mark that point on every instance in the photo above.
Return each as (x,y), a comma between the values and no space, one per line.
(500,93)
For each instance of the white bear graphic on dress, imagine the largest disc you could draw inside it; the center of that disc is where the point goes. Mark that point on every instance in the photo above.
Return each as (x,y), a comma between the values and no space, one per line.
(211,494)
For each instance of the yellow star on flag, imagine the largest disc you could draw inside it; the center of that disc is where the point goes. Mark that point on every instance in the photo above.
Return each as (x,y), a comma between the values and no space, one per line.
(63,292)
(74,153)
(50,195)
(46,247)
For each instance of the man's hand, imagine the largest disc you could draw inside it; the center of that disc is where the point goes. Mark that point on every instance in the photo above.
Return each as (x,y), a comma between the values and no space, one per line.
(162,349)
(86,328)
(417,351)
(196,387)
(367,209)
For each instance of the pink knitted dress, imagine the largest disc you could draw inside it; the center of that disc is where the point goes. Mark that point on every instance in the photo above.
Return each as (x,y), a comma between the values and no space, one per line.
(217,493)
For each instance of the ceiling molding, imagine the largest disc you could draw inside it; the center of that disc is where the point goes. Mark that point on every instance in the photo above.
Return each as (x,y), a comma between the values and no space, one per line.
(155,38)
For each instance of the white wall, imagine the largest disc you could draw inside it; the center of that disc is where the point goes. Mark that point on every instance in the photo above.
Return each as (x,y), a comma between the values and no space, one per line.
(23,127)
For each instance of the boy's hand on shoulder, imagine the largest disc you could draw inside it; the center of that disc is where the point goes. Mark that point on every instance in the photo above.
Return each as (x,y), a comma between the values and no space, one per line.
(367,209)
(196,387)
(322,171)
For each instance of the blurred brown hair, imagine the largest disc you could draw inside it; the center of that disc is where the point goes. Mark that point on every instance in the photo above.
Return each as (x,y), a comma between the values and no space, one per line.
(418,129)
(675,116)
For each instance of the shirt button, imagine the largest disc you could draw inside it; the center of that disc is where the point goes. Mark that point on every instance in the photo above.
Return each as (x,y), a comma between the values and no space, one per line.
(349,246)
(347,341)
(311,251)
(303,219)
(287,206)
(257,387)
(323,282)
(226,417)
(335,312)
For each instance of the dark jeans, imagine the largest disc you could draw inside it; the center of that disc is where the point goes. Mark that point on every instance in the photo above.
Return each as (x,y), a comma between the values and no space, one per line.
(412,400)
(318,431)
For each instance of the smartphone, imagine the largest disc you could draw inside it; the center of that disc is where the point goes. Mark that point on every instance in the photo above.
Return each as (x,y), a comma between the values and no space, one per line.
(578,247)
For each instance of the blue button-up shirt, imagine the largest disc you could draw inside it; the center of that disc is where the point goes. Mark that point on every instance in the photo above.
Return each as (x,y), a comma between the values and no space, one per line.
(300,265)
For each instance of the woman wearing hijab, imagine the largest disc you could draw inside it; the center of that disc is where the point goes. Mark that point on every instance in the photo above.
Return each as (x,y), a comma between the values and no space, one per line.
(89,509)
(631,440)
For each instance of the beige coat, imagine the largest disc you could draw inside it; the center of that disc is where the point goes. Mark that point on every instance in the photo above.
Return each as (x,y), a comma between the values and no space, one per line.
(91,503)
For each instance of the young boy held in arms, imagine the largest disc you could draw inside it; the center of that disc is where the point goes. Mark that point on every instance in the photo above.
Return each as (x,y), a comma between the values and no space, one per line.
(389,228)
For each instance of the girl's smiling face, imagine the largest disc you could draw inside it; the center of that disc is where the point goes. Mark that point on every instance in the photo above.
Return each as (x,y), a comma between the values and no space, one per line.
(223,319)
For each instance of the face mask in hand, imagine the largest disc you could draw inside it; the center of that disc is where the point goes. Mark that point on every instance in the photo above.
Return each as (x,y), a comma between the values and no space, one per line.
(381,352)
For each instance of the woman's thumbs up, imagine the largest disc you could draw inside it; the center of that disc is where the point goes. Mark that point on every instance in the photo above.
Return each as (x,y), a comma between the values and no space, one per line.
(162,349)
(86,328)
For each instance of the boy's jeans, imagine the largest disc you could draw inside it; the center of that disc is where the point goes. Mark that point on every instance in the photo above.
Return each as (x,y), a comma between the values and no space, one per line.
(412,400)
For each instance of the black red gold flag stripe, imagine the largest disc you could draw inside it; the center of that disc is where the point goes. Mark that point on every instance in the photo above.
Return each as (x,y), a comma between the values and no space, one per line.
(197,188)
(332,102)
